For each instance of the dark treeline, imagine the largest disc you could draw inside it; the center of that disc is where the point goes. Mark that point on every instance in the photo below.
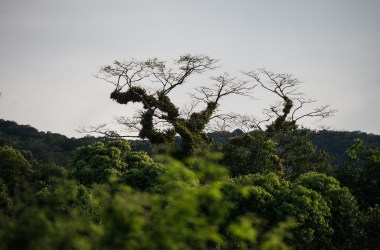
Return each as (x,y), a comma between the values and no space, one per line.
(57,148)
(244,191)
(50,147)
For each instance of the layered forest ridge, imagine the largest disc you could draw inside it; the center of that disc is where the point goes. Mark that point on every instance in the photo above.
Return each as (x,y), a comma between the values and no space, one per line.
(57,148)
(296,190)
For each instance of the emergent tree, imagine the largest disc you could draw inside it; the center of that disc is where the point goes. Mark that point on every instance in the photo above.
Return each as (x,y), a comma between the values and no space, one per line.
(160,120)
(293,152)
(283,116)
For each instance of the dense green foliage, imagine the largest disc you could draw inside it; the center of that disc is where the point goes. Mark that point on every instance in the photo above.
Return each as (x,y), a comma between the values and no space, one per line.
(251,153)
(361,173)
(51,147)
(271,188)
(56,148)
(108,196)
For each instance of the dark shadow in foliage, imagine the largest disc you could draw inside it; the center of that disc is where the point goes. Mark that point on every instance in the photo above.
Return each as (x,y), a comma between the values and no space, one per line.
(250,153)
(15,171)
(46,147)
(361,173)
(114,161)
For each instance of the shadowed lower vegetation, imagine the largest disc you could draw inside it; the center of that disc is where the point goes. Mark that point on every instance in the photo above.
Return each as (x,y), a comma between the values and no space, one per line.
(109,196)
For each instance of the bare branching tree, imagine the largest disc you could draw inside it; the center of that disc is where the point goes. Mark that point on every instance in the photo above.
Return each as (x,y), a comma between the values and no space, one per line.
(150,82)
(283,116)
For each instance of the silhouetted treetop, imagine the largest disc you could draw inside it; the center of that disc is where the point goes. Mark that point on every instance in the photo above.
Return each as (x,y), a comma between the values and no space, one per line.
(150,82)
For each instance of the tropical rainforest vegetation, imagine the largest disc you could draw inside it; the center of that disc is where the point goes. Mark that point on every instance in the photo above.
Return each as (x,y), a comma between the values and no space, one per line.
(277,186)
(109,196)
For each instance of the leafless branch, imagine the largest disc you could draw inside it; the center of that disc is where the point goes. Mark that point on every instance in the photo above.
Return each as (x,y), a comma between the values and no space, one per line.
(232,121)
(286,86)
(223,85)
(130,124)
(122,74)
(104,131)
(279,84)
(221,123)
(189,108)
(187,65)
(320,112)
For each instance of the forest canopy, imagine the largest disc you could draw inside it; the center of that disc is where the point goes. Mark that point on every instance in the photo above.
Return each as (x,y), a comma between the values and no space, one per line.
(272,185)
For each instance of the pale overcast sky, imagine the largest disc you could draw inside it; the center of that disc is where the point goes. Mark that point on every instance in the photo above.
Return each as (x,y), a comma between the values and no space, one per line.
(50,50)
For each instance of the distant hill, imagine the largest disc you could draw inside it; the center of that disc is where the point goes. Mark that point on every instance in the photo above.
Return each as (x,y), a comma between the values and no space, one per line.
(46,147)
(57,148)
(334,142)
(49,147)
(337,142)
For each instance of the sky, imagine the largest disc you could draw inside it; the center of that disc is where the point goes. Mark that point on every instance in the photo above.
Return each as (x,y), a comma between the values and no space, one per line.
(51,50)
